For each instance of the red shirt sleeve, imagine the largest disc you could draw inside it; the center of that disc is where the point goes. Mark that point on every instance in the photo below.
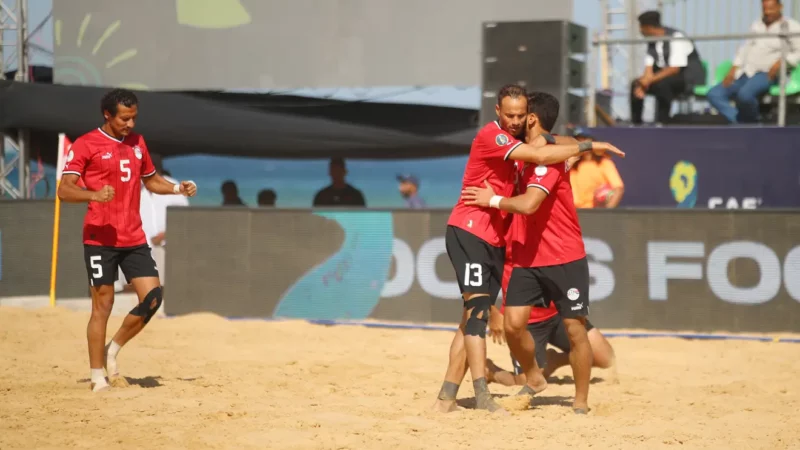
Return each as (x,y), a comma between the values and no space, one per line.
(497,143)
(78,158)
(148,169)
(542,177)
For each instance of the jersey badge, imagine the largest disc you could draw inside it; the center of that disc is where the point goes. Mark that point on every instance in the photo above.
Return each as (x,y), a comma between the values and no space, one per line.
(137,151)
(501,139)
(540,171)
(573,294)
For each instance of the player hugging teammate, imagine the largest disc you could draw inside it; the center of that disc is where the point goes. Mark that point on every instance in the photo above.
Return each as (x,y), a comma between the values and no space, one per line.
(475,242)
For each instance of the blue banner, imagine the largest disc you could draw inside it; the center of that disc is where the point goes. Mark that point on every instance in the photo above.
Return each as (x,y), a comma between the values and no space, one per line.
(699,167)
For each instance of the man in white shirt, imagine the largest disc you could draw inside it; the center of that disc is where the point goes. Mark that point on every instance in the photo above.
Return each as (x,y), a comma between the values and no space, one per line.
(756,66)
(153,209)
(672,67)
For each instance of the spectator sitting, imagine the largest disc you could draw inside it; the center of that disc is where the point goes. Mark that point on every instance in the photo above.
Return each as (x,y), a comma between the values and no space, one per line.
(339,193)
(672,68)
(594,178)
(266,198)
(409,189)
(756,66)
(230,194)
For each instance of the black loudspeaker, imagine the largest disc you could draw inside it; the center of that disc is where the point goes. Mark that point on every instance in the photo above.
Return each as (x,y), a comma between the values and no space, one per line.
(540,56)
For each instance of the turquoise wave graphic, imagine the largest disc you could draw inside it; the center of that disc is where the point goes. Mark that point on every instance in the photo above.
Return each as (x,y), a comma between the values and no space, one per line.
(348,284)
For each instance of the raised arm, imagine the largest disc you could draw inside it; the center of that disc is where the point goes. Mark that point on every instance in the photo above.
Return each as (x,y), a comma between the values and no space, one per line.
(541,153)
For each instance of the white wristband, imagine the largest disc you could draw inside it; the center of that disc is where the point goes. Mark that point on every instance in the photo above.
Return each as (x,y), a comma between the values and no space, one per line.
(176,188)
(495,201)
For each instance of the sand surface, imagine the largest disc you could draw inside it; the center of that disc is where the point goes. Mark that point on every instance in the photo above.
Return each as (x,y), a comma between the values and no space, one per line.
(203,382)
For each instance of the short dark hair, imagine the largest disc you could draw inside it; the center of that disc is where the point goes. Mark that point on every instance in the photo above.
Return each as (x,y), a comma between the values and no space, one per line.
(116,97)
(337,161)
(511,90)
(650,18)
(267,197)
(546,108)
(229,186)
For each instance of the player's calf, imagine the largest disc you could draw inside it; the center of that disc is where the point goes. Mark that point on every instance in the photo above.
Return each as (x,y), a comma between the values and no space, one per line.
(580,358)
(102,302)
(478,308)
(523,348)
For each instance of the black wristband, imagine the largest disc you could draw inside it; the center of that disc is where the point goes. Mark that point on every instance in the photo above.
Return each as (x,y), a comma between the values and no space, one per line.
(585,146)
(549,138)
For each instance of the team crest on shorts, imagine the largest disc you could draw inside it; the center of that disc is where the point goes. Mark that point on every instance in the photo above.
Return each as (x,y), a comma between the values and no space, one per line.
(501,139)
(137,151)
(573,294)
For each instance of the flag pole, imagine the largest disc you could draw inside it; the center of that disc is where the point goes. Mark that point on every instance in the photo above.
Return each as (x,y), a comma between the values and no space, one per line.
(56,221)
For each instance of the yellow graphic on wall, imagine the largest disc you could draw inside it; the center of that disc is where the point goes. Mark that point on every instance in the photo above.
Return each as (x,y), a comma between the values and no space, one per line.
(85,70)
(215,14)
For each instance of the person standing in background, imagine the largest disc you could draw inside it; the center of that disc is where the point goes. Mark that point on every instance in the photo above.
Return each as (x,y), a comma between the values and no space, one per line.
(153,209)
(409,190)
(230,194)
(594,178)
(339,192)
(266,198)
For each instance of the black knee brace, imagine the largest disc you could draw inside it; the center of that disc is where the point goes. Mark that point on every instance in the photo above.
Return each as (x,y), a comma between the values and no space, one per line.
(149,306)
(479,317)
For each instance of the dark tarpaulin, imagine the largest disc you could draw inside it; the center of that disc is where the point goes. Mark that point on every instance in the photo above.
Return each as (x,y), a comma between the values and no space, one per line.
(180,123)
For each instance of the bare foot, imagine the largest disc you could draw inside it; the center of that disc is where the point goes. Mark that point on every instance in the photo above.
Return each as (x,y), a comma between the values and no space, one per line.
(536,385)
(486,402)
(445,406)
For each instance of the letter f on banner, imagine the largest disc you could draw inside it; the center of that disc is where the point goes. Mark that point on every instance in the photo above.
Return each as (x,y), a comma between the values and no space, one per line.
(660,270)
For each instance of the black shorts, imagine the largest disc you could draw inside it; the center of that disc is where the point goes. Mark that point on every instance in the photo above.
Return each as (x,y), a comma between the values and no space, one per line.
(550,331)
(567,285)
(103,263)
(478,265)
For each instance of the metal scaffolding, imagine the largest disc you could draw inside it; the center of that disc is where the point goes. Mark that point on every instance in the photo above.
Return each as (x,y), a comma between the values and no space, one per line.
(14,55)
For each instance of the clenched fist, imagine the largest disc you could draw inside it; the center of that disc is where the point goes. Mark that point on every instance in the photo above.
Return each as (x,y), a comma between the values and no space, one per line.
(188,188)
(104,195)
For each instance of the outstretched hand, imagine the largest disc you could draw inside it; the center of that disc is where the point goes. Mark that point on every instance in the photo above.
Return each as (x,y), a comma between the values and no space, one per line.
(608,147)
(477,196)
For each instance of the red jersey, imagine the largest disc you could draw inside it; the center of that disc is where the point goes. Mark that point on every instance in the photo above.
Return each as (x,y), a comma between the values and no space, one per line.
(488,160)
(552,235)
(537,314)
(100,159)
